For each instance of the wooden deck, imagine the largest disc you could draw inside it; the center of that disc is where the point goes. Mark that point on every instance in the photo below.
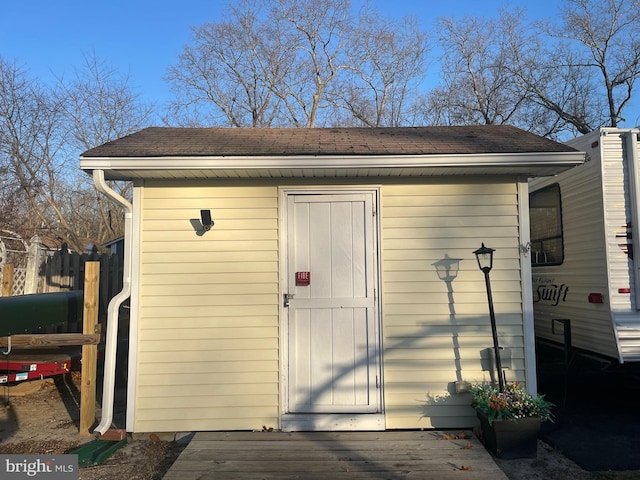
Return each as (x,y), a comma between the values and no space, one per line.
(335,455)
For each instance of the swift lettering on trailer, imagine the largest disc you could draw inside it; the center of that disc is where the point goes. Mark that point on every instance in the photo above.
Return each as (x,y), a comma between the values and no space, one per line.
(551,293)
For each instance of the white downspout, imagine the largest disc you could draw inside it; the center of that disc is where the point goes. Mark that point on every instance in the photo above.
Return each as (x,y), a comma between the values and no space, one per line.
(111,345)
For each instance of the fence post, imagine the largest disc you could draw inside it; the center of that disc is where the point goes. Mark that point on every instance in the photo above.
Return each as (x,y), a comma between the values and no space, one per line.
(7,280)
(89,352)
(34,261)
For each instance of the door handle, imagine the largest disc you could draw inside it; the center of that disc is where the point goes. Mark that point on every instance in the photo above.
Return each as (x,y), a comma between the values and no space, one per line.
(287,298)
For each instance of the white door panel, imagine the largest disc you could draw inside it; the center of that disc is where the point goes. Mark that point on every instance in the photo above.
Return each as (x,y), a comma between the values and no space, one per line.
(332,345)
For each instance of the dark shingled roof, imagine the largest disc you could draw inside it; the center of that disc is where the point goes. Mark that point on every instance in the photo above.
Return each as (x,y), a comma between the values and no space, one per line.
(222,142)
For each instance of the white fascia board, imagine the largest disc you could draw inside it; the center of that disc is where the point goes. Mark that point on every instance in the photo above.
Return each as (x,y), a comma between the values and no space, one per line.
(607,130)
(567,159)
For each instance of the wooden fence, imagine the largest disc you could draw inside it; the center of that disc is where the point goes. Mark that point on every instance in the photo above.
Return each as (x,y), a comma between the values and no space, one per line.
(89,339)
(48,271)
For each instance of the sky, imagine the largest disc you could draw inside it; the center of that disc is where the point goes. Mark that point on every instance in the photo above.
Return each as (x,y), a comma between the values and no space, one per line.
(142,38)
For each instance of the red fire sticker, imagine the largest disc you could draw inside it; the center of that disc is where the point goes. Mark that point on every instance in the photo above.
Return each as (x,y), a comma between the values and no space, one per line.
(303,279)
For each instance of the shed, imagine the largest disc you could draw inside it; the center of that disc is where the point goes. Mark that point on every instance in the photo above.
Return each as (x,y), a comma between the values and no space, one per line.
(335,287)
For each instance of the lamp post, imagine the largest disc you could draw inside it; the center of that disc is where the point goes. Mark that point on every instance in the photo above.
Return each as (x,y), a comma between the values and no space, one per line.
(484,256)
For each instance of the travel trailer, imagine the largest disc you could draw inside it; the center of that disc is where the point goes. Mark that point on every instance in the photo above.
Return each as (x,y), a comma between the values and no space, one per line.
(584,232)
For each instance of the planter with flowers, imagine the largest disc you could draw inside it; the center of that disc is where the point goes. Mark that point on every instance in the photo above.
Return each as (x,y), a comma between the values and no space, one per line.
(510,420)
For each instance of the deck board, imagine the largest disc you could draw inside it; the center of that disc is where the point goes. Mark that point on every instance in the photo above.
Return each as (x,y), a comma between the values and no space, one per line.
(335,455)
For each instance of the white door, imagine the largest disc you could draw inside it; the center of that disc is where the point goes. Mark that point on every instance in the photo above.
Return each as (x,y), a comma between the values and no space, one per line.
(332,321)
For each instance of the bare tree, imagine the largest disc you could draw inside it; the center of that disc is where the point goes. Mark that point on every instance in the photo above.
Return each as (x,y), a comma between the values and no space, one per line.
(268,65)
(386,62)
(42,132)
(301,63)
(609,33)
(226,75)
(30,144)
(317,29)
(13,212)
(478,84)
(98,105)
(586,70)
(552,78)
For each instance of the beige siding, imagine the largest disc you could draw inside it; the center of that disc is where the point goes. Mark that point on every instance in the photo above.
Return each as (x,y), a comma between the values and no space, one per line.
(208,356)
(434,333)
(208,328)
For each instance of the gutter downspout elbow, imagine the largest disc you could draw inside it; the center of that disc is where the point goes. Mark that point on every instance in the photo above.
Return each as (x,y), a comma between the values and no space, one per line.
(111,339)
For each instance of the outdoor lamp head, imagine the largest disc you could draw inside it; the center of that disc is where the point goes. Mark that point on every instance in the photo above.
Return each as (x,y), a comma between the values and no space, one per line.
(484,255)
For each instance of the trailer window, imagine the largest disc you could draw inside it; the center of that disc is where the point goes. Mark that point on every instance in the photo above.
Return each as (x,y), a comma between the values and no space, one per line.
(545,216)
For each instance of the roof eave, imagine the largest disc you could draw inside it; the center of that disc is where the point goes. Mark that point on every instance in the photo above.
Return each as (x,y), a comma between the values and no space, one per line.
(530,164)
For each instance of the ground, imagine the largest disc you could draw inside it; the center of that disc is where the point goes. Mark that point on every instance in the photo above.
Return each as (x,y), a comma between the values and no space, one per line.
(550,464)
(42,417)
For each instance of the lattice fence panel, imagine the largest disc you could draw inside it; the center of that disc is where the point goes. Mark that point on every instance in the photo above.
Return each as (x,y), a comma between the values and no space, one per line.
(19,280)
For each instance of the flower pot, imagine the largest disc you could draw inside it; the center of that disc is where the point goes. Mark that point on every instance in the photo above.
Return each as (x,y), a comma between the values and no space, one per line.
(510,439)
